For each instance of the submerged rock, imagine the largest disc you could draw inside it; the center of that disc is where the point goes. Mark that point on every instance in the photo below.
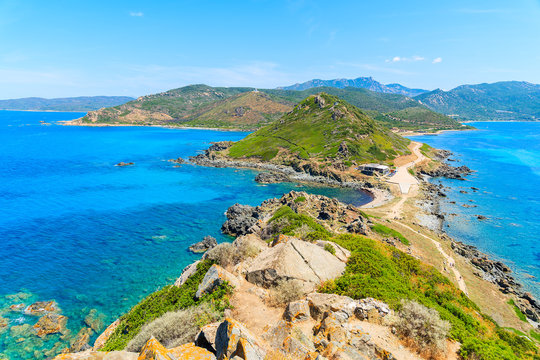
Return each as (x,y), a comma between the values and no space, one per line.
(206,244)
(50,324)
(42,307)
(121,163)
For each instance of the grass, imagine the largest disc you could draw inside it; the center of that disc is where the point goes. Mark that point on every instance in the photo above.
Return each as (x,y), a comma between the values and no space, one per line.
(169,298)
(518,312)
(290,223)
(300,199)
(383,272)
(386,231)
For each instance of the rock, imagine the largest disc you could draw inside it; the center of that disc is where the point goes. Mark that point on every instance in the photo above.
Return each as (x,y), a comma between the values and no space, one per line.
(240,218)
(215,276)
(17,307)
(293,348)
(358,226)
(371,309)
(121,163)
(206,244)
(190,352)
(234,339)
(41,307)
(481,217)
(220,145)
(80,343)
(186,273)
(105,335)
(277,333)
(297,311)
(250,241)
(340,252)
(3,322)
(206,338)
(99,355)
(271,177)
(321,303)
(94,320)
(153,350)
(444,170)
(294,260)
(177,161)
(50,324)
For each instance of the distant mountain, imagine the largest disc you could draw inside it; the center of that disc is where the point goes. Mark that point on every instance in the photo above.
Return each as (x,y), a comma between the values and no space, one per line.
(247,108)
(82,103)
(508,100)
(361,82)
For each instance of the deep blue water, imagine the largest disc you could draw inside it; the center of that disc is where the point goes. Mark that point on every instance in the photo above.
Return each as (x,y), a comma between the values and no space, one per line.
(506,158)
(90,235)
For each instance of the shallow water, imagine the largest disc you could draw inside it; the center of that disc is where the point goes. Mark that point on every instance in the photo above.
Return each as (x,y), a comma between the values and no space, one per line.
(90,235)
(505,157)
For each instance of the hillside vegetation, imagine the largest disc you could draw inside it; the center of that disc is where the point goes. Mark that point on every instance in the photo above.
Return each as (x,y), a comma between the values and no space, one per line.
(509,100)
(321,128)
(247,108)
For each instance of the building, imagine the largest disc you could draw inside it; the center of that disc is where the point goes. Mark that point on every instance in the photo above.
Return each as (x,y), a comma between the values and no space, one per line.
(374,169)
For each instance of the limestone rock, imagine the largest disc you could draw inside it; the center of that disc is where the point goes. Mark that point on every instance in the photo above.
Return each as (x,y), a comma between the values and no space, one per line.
(234,339)
(153,350)
(186,273)
(214,277)
(98,355)
(206,244)
(367,308)
(50,324)
(41,307)
(190,352)
(297,311)
(81,340)
(105,335)
(294,260)
(321,303)
(276,334)
(206,338)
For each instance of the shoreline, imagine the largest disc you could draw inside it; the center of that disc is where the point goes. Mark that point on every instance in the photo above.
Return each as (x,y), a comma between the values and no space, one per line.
(69,123)
(52,111)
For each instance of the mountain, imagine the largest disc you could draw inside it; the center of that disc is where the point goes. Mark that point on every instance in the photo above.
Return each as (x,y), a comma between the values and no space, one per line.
(361,82)
(322,128)
(508,100)
(247,108)
(82,103)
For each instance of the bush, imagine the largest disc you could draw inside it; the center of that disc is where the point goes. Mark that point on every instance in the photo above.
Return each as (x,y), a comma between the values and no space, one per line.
(285,292)
(423,328)
(176,327)
(386,231)
(300,199)
(286,221)
(330,248)
(226,254)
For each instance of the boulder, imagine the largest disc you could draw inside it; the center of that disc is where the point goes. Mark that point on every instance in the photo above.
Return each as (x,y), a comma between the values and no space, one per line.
(50,324)
(190,352)
(41,307)
(277,333)
(294,260)
(206,244)
(186,273)
(371,309)
(240,218)
(358,226)
(297,311)
(215,276)
(206,338)
(153,350)
(81,341)
(321,303)
(234,339)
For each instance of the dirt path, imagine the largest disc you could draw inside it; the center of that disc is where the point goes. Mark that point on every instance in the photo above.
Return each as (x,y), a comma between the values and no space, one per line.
(402,177)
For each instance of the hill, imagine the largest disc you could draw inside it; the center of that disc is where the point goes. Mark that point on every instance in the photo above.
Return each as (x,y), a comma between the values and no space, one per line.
(322,128)
(247,108)
(509,100)
(82,103)
(361,82)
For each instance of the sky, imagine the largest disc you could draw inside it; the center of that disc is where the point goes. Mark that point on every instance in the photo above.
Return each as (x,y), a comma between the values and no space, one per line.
(80,48)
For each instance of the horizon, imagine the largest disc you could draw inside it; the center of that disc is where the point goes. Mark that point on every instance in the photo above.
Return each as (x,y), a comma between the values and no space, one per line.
(56,50)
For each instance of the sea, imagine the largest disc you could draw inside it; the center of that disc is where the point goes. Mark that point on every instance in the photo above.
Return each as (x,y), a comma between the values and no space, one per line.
(97,238)
(505,157)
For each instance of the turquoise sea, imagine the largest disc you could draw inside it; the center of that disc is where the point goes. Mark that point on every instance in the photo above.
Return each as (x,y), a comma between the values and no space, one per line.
(506,158)
(97,238)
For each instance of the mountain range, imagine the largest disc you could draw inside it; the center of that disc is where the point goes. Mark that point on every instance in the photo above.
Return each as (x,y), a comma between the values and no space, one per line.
(82,103)
(361,82)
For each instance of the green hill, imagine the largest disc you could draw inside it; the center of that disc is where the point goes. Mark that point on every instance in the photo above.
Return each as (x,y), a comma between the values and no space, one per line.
(508,100)
(205,106)
(322,128)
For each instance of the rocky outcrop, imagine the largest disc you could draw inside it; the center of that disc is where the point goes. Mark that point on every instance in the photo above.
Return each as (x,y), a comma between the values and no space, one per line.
(42,307)
(206,338)
(297,260)
(50,324)
(447,171)
(178,161)
(215,276)
(240,218)
(186,273)
(234,339)
(121,163)
(206,244)
(271,177)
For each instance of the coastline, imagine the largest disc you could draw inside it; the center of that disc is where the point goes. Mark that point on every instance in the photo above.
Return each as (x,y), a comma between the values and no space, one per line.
(70,123)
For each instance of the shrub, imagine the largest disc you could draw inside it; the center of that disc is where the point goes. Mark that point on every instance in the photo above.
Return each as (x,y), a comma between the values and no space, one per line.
(226,254)
(285,292)
(386,231)
(286,221)
(175,328)
(300,199)
(330,248)
(423,328)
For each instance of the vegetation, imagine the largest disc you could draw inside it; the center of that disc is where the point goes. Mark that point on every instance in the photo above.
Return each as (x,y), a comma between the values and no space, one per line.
(518,312)
(330,248)
(286,221)
(300,199)
(170,298)
(423,328)
(285,292)
(510,100)
(322,127)
(226,254)
(383,272)
(386,231)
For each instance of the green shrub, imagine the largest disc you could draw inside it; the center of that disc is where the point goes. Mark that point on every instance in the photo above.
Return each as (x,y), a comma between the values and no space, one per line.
(331,249)
(518,312)
(386,231)
(169,298)
(300,199)
(290,222)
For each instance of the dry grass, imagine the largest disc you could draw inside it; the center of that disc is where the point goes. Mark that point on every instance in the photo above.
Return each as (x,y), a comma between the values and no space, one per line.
(226,254)
(285,292)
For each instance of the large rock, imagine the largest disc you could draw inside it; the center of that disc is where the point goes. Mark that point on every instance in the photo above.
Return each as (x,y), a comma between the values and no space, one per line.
(297,311)
(321,303)
(305,262)
(105,335)
(215,276)
(234,339)
(42,307)
(190,352)
(50,324)
(186,273)
(153,350)
(271,177)
(206,338)
(240,218)
(99,355)
(206,244)
(368,308)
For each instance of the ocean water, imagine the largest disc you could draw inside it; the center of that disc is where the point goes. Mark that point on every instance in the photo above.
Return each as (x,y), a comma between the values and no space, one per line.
(506,158)
(97,238)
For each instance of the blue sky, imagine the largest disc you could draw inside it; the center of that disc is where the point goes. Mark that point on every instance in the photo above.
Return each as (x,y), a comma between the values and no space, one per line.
(71,48)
